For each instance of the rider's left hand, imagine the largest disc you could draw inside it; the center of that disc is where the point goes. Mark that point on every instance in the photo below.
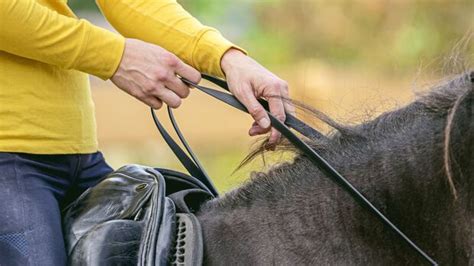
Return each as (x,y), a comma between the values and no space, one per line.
(248,81)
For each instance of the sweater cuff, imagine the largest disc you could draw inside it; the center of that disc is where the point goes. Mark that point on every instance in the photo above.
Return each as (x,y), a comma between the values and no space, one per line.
(102,52)
(209,50)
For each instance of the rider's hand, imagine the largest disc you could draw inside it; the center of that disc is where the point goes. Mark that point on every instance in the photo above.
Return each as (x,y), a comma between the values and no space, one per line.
(248,80)
(148,72)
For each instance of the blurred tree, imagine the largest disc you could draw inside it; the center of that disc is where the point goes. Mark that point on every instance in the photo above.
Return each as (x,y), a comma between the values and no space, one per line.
(385,35)
(353,32)
(83,5)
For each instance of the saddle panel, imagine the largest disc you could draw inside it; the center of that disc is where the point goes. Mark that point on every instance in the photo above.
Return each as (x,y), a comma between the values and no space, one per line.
(166,235)
(188,248)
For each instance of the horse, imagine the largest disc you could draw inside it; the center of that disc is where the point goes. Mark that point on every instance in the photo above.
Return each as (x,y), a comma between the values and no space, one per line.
(414,163)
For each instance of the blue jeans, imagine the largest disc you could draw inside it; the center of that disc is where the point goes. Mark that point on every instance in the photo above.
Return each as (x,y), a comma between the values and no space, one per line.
(33,190)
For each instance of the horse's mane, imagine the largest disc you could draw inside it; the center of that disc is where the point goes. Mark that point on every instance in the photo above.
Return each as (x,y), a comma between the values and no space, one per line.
(443,100)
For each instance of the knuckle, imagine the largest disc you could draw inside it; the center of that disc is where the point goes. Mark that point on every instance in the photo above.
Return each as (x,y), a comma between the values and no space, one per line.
(171,60)
(274,84)
(161,76)
(280,117)
(254,110)
(149,88)
(279,85)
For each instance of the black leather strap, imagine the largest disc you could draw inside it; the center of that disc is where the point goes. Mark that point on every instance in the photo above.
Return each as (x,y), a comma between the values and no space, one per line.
(190,163)
(310,153)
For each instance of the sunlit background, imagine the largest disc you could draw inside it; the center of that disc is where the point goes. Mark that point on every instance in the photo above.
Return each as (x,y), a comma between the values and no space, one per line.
(350,59)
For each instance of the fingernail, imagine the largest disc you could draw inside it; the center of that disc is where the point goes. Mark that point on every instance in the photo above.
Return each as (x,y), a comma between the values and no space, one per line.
(264,122)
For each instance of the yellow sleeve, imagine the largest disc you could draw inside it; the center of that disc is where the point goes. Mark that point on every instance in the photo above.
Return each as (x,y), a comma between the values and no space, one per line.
(167,24)
(30,30)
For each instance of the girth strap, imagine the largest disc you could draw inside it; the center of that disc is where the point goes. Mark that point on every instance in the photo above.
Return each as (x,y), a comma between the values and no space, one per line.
(197,170)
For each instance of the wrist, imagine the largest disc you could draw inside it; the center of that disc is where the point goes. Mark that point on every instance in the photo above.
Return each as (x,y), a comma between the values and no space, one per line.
(229,57)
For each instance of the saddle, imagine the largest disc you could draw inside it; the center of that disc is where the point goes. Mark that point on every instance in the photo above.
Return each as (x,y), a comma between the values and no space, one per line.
(137,215)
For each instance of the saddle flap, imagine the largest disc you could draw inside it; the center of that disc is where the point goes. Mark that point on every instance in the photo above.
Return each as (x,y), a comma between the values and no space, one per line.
(120,195)
(111,243)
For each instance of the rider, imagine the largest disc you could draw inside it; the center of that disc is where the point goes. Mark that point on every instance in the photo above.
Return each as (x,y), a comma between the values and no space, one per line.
(48,145)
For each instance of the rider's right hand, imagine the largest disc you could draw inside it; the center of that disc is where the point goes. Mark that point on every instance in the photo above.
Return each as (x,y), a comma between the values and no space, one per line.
(148,72)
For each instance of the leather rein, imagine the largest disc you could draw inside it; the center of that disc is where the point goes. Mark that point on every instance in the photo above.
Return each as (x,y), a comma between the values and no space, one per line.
(194,167)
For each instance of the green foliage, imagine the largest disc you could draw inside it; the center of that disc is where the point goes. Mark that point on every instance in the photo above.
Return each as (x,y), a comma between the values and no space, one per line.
(83,5)
(209,11)
(377,34)
(380,34)
(267,47)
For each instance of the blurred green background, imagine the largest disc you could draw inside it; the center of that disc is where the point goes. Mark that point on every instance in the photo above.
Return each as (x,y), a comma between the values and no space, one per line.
(350,59)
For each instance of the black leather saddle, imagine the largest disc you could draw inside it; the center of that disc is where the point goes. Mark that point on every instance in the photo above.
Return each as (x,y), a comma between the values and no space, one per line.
(137,216)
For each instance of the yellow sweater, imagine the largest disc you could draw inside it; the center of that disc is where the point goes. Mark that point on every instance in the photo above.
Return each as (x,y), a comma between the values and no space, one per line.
(45,53)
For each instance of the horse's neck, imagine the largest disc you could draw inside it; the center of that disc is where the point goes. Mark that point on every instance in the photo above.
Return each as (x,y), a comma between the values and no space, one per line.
(296,215)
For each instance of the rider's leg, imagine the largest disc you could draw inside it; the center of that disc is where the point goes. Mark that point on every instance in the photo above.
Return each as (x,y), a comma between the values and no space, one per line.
(30,222)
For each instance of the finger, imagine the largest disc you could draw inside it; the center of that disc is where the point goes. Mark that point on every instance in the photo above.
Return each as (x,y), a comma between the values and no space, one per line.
(146,98)
(153,102)
(277,109)
(276,106)
(177,86)
(257,130)
(245,95)
(289,108)
(274,138)
(270,145)
(167,96)
(188,72)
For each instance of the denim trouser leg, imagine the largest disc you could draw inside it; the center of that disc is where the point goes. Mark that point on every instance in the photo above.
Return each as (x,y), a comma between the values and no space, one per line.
(33,189)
